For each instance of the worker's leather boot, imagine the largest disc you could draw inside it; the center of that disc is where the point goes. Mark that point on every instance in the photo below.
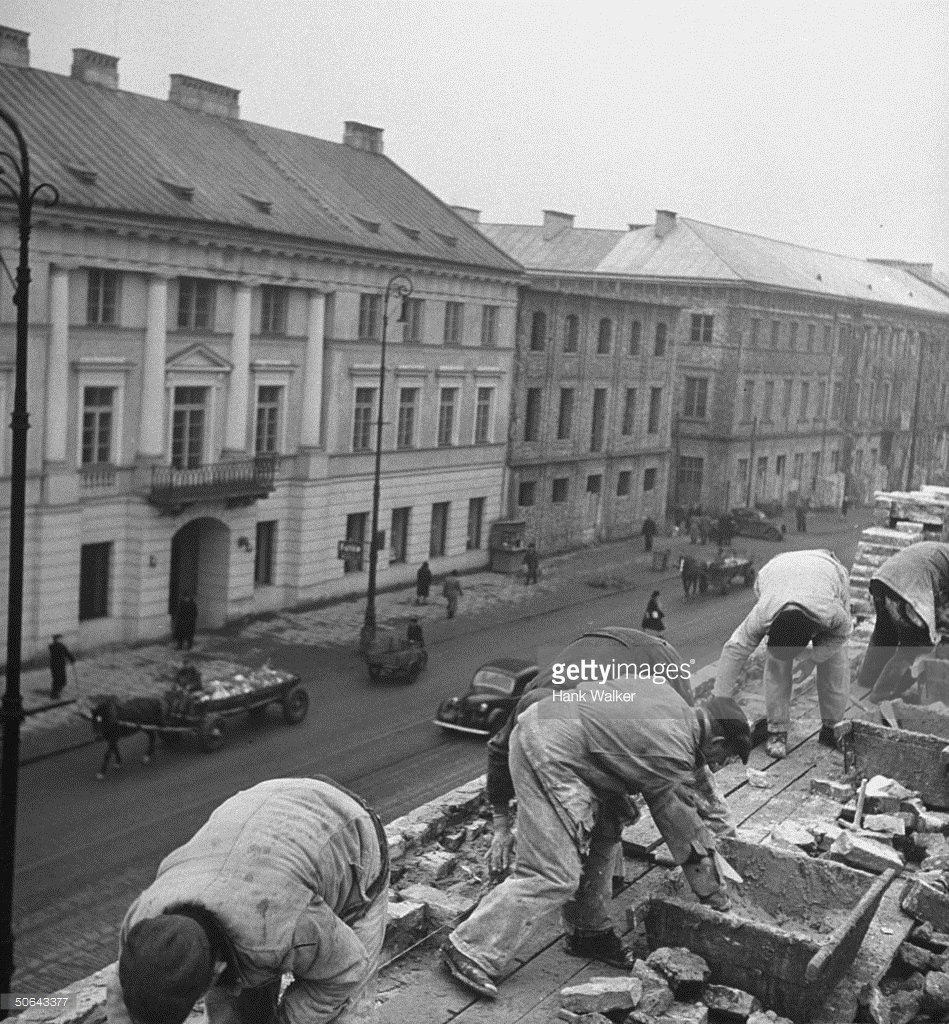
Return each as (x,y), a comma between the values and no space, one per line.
(605,946)
(467,971)
(826,737)
(777,745)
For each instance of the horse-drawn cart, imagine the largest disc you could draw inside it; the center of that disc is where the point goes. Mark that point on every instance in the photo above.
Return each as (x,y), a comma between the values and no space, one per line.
(388,657)
(727,567)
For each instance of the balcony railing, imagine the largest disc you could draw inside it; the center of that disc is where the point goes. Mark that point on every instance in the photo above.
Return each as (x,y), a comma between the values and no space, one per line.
(239,481)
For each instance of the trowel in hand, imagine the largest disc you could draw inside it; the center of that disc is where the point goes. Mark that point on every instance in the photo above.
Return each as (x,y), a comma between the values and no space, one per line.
(726,871)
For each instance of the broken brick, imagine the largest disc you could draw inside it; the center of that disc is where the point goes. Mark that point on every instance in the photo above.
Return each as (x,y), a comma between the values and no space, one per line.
(790,834)
(685,971)
(452,841)
(918,959)
(883,795)
(924,903)
(602,995)
(444,908)
(865,854)
(925,935)
(730,1002)
(890,824)
(839,791)
(653,1004)
(436,864)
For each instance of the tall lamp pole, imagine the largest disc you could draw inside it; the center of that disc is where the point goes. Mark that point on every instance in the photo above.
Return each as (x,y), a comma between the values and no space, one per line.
(400,285)
(18,187)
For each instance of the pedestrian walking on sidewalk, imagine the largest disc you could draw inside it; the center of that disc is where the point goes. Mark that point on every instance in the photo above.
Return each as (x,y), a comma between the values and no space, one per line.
(649,531)
(289,877)
(59,654)
(531,564)
(451,591)
(423,582)
(654,618)
(803,602)
(186,620)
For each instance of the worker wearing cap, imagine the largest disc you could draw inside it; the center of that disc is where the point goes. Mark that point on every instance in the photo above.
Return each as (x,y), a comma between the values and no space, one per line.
(289,877)
(575,760)
(910,592)
(803,602)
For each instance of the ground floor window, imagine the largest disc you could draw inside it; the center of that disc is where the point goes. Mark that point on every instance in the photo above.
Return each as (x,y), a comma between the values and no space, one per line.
(560,489)
(439,533)
(623,483)
(649,479)
(475,523)
(526,493)
(691,472)
(400,535)
(264,552)
(594,483)
(94,565)
(356,529)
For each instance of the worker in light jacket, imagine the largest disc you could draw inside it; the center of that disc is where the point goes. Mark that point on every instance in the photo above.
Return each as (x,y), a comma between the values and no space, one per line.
(910,594)
(803,603)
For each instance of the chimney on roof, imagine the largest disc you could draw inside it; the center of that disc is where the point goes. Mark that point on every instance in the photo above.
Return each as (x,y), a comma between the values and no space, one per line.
(362,136)
(14,48)
(665,222)
(555,222)
(468,213)
(204,97)
(95,68)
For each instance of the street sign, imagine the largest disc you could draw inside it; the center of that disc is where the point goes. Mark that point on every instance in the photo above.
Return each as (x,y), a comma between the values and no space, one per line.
(349,549)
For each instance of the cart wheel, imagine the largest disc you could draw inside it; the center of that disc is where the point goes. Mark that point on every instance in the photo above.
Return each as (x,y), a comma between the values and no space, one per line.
(212,733)
(296,704)
(375,673)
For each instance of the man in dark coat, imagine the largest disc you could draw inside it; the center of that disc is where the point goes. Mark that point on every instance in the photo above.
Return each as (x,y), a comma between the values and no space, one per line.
(413,634)
(531,564)
(186,619)
(423,582)
(649,531)
(59,654)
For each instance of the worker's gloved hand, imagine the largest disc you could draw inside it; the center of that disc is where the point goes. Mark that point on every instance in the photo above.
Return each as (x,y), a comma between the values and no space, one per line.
(501,853)
(702,875)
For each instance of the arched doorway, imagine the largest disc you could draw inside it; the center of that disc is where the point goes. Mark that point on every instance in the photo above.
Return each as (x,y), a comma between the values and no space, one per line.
(200,563)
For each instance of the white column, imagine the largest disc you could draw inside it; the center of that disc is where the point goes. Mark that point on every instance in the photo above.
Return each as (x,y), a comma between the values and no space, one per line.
(151,440)
(236,440)
(57,367)
(313,373)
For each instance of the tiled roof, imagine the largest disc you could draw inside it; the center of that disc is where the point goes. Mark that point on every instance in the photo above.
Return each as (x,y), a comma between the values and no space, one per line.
(113,151)
(693,250)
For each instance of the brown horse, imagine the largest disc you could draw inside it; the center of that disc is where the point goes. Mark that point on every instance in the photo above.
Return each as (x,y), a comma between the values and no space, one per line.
(112,721)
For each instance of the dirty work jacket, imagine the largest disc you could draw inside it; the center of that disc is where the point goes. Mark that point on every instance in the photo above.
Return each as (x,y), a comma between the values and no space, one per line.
(814,581)
(585,750)
(284,867)
(920,575)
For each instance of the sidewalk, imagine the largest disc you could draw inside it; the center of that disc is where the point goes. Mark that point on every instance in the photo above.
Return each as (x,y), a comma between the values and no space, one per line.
(565,580)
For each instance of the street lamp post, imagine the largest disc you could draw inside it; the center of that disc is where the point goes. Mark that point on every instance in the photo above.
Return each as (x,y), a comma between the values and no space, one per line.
(400,285)
(18,187)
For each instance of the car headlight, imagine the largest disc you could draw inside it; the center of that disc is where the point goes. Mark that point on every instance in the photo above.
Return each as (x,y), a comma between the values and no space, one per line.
(482,709)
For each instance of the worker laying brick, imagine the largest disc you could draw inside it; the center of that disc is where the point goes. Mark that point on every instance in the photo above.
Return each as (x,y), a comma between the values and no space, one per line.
(577,755)
(910,592)
(803,602)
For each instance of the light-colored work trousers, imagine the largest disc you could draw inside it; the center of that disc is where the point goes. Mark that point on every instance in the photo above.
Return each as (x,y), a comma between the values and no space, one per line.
(833,688)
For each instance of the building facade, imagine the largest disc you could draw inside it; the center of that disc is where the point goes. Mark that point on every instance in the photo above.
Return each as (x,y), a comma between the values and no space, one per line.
(207,306)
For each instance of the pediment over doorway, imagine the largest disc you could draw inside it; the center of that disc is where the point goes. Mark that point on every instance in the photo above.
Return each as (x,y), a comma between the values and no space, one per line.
(198,358)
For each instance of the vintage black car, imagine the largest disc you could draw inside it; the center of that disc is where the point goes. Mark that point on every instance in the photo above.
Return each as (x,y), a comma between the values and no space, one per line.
(492,693)
(752,522)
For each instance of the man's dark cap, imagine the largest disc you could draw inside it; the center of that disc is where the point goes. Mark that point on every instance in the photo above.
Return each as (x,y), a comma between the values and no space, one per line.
(734,724)
(165,967)
(792,630)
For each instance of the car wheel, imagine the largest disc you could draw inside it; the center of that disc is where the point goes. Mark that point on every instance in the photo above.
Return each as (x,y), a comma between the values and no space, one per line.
(296,704)
(212,733)
(774,534)
(375,673)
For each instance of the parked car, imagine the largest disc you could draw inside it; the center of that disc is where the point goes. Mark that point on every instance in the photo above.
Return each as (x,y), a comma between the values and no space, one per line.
(752,522)
(492,694)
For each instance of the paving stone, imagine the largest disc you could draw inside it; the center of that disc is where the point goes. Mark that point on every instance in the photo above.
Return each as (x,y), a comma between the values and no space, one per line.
(685,971)
(444,908)
(602,995)
(436,864)
(936,992)
(731,1002)
(865,854)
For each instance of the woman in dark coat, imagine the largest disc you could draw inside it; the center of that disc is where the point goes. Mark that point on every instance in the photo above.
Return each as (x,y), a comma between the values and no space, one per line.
(654,617)
(186,619)
(423,581)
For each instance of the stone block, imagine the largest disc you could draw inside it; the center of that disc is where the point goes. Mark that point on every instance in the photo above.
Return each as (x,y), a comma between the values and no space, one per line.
(790,834)
(840,791)
(602,995)
(404,915)
(474,829)
(888,824)
(874,1006)
(865,854)
(932,821)
(685,972)
(436,864)
(684,1013)
(925,903)
(905,1005)
(396,846)
(653,1005)
(925,935)
(594,1018)
(650,977)
(918,959)
(414,833)
(937,851)
(453,841)
(936,993)
(768,1017)
(444,908)
(732,1003)
(883,795)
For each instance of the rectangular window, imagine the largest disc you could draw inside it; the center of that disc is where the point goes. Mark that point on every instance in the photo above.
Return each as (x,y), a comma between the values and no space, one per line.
(532,414)
(691,471)
(102,297)
(695,405)
(820,412)
(835,461)
(594,483)
(94,565)
(623,483)
(483,408)
(560,489)
(97,420)
(370,317)
(408,413)
(489,326)
(779,463)
(265,549)
(743,473)
(768,406)
(438,538)
(828,339)
(797,471)
(187,427)
(399,531)
(815,469)
(655,409)
(761,474)
(356,528)
(475,523)
(571,333)
(775,333)
(747,401)
(805,401)
(635,337)
(788,388)
(755,334)
(413,330)
(454,322)
(273,309)
(792,336)
(195,302)
(565,414)
(629,412)
(836,401)
(649,479)
(811,335)
(363,410)
(446,417)
(598,419)
(525,493)
(858,462)
(267,427)
(702,329)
